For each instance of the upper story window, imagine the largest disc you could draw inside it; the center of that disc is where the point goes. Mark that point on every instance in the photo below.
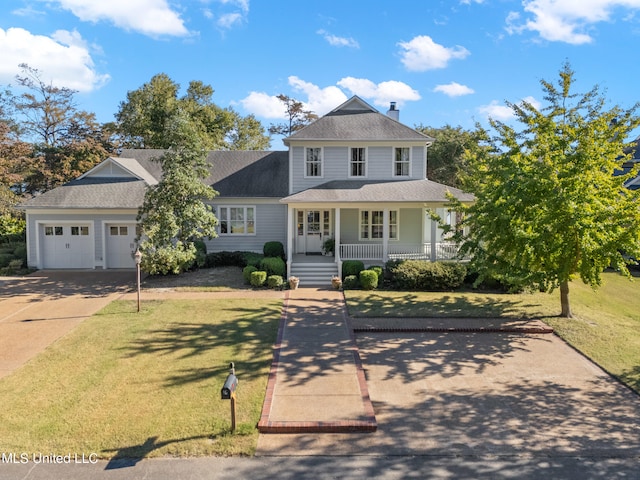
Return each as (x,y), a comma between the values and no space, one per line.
(401,162)
(358,162)
(237,220)
(313,162)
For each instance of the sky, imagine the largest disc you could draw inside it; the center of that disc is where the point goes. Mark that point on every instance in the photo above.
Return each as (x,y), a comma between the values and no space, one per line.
(443,62)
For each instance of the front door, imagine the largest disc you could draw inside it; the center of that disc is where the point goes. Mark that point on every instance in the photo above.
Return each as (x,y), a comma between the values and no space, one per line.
(313,241)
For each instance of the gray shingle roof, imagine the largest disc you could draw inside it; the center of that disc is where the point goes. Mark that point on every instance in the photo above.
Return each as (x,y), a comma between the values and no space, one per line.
(236,173)
(358,191)
(93,193)
(357,124)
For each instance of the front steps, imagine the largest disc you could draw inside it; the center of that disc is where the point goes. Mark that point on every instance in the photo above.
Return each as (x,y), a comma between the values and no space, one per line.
(314,274)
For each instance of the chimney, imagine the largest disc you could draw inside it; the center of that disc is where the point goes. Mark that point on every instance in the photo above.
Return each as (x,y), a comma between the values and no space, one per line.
(393,113)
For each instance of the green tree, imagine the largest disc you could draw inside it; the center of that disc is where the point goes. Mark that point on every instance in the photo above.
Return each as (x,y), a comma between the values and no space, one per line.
(297,117)
(142,119)
(549,206)
(66,141)
(446,158)
(174,213)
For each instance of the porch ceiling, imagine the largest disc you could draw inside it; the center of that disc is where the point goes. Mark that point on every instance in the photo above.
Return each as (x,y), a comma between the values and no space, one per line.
(353,191)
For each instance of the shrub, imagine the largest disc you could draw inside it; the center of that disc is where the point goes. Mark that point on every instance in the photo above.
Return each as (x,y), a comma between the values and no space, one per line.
(368,279)
(246,273)
(20,251)
(273,249)
(378,269)
(172,259)
(5,258)
(275,281)
(251,258)
(258,278)
(350,283)
(273,266)
(351,267)
(423,275)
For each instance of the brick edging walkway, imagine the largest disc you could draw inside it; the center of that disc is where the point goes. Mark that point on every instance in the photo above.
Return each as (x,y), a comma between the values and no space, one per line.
(265,425)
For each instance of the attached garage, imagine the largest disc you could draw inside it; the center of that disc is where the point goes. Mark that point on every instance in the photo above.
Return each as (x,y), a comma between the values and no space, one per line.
(64,245)
(120,245)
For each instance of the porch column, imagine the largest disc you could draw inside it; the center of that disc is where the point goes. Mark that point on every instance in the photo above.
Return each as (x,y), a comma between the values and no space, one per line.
(434,234)
(290,222)
(336,237)
(385,235)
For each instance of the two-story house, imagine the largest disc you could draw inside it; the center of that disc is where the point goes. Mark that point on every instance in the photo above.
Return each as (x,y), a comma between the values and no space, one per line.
(354,176)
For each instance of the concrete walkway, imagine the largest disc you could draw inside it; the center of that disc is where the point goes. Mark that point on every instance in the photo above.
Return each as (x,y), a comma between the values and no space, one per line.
(316,383)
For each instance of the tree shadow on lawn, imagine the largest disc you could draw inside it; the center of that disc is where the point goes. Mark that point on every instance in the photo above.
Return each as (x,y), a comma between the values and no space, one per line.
(445,305)
(243,339)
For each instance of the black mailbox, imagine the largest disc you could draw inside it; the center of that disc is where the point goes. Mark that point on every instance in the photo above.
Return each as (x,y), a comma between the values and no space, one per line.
(230,385)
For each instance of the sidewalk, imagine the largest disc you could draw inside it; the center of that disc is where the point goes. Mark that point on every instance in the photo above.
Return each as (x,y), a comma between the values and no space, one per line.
(317,383)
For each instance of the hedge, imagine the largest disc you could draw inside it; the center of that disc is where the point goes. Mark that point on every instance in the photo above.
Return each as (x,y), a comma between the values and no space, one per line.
(426,276)
(246,273)
(258,278)
(351,267)
(350,282)
(275,281)
(273,249)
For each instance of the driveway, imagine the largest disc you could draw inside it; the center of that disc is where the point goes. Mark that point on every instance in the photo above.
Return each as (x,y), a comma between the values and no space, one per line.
(479,395)
(38,309)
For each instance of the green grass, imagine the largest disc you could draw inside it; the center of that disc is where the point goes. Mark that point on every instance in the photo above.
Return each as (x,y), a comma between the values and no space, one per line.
(606,327)
(124,384)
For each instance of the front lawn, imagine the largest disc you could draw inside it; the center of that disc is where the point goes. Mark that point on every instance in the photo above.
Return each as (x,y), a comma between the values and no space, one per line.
(137,385)
(606,327)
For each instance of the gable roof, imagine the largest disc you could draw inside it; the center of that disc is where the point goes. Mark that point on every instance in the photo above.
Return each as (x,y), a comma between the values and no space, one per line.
(355,120)
(359,191)
(236,173)
(118,167)
(92,193)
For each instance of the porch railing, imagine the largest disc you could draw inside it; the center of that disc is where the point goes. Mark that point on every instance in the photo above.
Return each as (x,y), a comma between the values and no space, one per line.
(444,251)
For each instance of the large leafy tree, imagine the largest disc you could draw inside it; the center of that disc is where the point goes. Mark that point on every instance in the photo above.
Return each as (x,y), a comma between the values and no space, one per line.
(67,141)
(296,117)
(142,119)
(550,203)
(446,158)
(174,213)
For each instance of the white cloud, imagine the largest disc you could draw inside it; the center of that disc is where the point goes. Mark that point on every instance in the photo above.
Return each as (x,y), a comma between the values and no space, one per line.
(228,20)
(454,89)
(338,41)
(382,93)
(319,100)
(149,17)
(322,100)
(422,53)
(264,105)
(316,99)
(63,58)
(504,113)
(566,21)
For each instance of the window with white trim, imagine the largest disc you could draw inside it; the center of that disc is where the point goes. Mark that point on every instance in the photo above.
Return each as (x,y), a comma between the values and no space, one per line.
(313,162)
(372,224)
(358,162)
(237,220)
(401,161)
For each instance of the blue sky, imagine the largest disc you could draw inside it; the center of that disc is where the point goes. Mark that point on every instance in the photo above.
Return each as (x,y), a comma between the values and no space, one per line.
(443,62)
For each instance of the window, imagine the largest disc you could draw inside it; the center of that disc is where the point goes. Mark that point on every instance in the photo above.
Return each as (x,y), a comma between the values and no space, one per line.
(79,231)
(237,221)
(48,231)
(372,224)
(358,162)
(401,162)
(114,230)
(313,162)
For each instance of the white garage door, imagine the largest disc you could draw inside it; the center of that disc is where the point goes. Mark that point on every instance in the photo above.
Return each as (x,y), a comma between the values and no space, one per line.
(67,246)
(120,245)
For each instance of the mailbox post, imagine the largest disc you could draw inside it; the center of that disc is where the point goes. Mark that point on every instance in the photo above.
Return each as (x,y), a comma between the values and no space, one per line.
(228,392)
